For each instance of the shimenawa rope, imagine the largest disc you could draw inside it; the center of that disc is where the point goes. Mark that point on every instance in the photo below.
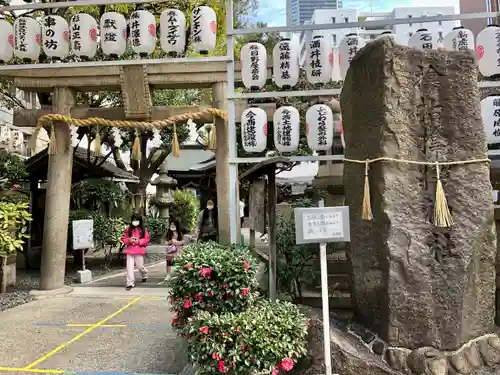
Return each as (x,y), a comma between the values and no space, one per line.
(442,215)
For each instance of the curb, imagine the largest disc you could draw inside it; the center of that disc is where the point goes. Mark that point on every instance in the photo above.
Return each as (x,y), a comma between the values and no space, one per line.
(43,294)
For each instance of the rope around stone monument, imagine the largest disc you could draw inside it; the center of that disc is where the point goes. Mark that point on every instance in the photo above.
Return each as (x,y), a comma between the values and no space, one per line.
(442,215)
(140,125)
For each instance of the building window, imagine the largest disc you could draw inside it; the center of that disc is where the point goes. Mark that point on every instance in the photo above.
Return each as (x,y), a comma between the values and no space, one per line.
(346,19)
(410,16)
(334,39)
(440,36)
(440,22)
(333,19)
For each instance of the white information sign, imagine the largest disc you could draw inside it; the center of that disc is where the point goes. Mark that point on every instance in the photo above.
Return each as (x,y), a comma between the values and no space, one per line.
(83,234)
(322,224)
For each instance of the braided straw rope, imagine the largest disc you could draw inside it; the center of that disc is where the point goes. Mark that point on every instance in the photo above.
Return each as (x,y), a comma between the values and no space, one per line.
(139,125)
(442,215)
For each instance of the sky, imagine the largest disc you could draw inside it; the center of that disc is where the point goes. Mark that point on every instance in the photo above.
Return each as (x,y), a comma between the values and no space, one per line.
(273,12)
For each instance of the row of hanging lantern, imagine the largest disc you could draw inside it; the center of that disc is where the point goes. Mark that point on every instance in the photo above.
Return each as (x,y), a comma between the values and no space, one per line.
(11,139)
(320,126)
(27,36)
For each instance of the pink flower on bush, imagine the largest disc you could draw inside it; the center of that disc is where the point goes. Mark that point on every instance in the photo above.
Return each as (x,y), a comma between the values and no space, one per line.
(171,299)
(216,356)
(205,272)
(189,266)
(237,330)
(221,366)
(198,297)
(276,370)
(244,291)
(307,323)
(187,303)
(209,294)
(204,330)
(287,364)
(174,320)
(247,266)
(252,358)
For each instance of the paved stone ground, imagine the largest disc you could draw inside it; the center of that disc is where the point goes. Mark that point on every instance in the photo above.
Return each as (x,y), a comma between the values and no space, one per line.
(99,330)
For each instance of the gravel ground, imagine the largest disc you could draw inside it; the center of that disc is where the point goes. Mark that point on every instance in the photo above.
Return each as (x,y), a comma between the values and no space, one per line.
(30,279)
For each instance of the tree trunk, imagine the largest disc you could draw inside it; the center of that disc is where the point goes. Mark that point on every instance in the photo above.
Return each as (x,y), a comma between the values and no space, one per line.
(3,283)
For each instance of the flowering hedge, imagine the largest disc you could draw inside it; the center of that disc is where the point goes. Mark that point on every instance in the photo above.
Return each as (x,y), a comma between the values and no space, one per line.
(212,277)
(267,339)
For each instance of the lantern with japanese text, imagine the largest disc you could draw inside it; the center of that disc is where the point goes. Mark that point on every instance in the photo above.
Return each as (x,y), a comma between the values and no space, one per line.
(4,136)
(490,111)
(173,32)
(459,39)
(387,34)
(27,38)
(113,34)
(348,48)
(254,129)
(203,29)
(142,32)
(319,127)
(7,46)
(423,39)
(286,64)
(83,35)
(253,57)
(286,122)
(488,50)
(336,66)
(55,37)
(319,60)
(17,140)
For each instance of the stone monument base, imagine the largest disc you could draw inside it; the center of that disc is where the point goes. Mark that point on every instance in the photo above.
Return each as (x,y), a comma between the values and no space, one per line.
(357,351)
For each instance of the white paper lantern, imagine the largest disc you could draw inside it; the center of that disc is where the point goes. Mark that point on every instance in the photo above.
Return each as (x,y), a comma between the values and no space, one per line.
(113,34)
(336,65)
(143,32)
(319,60)
(286,122)
(488,50)
(74,135)
(254,129)
(83,35)
(319,127)
(423,39)
(4,136)
(173,32)
(490,111)
(253,58)
(286,63)
(387,34)
(7,45)
(27,38)
(55,37)
(203,29)
(348,48)
(17,140)
(459,39)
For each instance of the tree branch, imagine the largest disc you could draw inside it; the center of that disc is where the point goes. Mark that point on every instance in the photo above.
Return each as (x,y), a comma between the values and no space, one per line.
(103,159)
(118,159)
(12,97)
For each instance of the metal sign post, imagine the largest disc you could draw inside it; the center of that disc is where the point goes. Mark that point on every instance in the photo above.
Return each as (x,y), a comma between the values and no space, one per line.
(322,225)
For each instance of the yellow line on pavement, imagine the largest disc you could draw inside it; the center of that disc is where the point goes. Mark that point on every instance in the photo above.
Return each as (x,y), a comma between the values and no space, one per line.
(40,371)
(77,337)
(102,325)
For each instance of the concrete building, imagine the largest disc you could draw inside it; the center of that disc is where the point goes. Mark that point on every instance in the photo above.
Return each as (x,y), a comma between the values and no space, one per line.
(475,6)
(300,11)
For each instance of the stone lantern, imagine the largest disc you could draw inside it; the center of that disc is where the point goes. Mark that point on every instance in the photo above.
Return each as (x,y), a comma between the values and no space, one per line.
(164,184)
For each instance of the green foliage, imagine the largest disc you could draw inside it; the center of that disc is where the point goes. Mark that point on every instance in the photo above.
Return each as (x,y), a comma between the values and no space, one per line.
(98,194)
(157,228)
(185,209)
(292,259)
(264,339)
(12,167)
(212,277)
(14,219)
(12,196)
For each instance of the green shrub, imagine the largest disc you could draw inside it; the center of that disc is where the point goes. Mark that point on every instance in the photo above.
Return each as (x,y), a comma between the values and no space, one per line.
(99,194)
(157,228)
(212,277)
(267,338)
(185,209)
(13,227)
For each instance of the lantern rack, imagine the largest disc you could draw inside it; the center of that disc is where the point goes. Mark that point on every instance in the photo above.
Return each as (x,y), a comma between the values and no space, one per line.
(70,4)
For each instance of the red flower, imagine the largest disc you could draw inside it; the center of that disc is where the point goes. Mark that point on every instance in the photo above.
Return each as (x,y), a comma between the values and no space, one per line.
(187,304)
(247,266)
(252,358)
(171,299)
(205,272)
(228,333)
(275,370)
(307,323)
(221,367)
(216,356)
(189,266)
(204,330)
(198,297)
(209,294)
(237,330)
(244,291)
(287,364)
(174,320)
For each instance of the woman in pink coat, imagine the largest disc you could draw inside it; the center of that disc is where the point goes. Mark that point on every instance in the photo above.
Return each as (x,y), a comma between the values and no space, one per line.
(136,239)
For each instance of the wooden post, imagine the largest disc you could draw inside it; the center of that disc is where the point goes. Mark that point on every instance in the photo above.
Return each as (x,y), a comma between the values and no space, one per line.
(219,91)
(55,231)
(271,206)
(252,238)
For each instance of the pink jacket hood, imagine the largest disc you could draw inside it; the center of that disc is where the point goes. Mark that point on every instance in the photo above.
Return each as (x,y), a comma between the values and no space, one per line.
(140,248)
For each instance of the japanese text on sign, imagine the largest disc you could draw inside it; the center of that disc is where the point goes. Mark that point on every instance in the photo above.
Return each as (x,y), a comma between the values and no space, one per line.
(49,41)
(460,43)
(353,48)
(496,115)
(249,131)
(321,117)
(285,60)
(196,25)
(323,225)
(254,62)
(284,132)
(173,34)
(76,37)
(315,58)
(426,39)
(110,30)
(497,39)
(135,29)
(21,35)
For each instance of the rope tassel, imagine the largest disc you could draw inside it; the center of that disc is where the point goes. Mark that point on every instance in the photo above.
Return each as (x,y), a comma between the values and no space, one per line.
(367,205)
(136,147)
(52,142)
(97,142)
(442,215)
(176,150)
(212,142)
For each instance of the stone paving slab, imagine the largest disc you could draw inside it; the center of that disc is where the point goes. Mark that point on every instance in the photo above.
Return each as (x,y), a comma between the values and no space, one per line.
(145,313)
(156,274)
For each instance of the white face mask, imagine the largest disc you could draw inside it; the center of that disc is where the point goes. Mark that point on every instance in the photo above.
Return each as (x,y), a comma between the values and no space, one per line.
(210,207)
(136,223)
(172,229)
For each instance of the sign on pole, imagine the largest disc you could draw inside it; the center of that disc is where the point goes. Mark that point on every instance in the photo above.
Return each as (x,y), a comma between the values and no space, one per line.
(83,234)
(321,225)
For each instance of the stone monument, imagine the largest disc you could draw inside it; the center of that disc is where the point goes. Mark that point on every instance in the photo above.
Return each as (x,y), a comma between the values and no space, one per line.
(164,184)
(424,296)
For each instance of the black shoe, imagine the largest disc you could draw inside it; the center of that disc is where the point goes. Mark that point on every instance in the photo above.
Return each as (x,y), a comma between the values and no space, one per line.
(128,287)
(144,280)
